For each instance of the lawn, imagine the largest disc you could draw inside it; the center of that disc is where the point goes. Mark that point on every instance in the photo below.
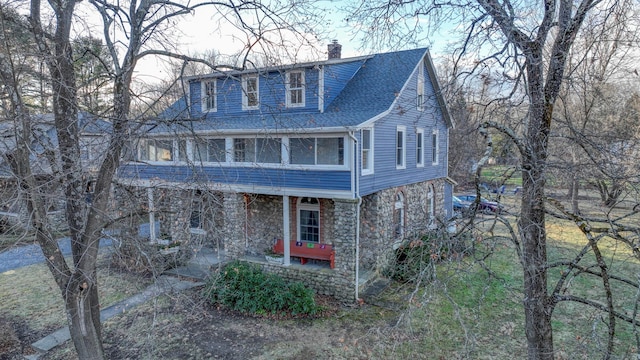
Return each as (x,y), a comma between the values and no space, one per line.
(463,309)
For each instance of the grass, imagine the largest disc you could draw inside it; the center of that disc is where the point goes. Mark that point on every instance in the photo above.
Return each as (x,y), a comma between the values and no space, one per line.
(461,311)
(31,293)
(497,174)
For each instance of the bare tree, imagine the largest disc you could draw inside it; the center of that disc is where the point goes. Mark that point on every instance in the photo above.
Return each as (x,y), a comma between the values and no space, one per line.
(530,44)
(131,30)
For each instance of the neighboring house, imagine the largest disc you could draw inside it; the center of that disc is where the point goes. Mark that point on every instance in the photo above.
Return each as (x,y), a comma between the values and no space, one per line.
(344,152)
(44,157)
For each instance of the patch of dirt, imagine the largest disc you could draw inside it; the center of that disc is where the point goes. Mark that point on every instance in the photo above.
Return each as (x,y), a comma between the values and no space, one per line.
(16,338)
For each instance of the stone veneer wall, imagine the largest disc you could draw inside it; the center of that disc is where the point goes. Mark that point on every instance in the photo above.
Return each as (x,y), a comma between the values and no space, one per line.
(377,224)
(339,222)
(324,281)
(233,225)
(264,222)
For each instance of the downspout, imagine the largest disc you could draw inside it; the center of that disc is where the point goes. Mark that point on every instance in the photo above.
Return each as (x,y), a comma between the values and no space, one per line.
(356,195)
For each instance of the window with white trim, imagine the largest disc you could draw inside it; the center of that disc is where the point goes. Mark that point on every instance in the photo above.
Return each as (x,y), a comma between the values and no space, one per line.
(257,150)
(367,150)
(308,219)
(420,87)
(431,206)
(209,150)
(435,147)
(209,96)
(420,147)
(401,147)
(182,150)
(155,150)
(316,151)
(295,89)
(250,92)
(398,216)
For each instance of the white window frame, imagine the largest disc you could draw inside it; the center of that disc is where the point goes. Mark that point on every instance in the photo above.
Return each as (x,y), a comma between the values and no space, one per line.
(308,207)
(172,153)
(419,147)
(245,92)
(398,217)
(255,142)
(401,147)
(206,96)
(206,143)
(431,206)
(290,89)
(368,155)
(435,147)
(316,165)
(420,87)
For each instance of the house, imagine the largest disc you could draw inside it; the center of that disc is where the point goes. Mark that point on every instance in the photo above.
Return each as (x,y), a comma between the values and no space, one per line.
(45,160)
(349,153)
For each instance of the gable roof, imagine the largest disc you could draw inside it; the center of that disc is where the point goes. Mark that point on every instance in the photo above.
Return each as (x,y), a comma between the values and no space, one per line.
(369,93)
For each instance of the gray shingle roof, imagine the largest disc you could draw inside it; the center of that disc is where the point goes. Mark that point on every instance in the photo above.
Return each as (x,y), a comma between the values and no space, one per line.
(369,93)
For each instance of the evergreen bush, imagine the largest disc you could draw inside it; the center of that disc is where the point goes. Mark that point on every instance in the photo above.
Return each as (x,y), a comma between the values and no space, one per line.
(246,288)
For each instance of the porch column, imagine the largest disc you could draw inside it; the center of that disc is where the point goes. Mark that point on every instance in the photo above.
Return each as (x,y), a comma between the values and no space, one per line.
(233,231)
(344,242)
(286,230)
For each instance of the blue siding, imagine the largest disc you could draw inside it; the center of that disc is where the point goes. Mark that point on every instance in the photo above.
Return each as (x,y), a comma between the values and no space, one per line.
(336,77)
(272,94)
(277,178)
(405,113)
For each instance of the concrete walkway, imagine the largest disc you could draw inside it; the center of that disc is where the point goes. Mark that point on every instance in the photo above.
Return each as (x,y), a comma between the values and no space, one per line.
(173,281)
(164,284)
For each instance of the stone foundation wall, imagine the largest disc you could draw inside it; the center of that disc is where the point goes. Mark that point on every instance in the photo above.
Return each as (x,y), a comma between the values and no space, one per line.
(377,231)
(323,281)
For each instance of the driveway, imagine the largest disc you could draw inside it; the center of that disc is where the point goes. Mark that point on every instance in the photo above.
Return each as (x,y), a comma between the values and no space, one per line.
(26,255)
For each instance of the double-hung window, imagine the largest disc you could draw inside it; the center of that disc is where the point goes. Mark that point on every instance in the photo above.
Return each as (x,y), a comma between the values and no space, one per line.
(209,95)
(435,148)
(250,92)
(400,147)
(295,89)
(309,219)
(367,151)
(420,147)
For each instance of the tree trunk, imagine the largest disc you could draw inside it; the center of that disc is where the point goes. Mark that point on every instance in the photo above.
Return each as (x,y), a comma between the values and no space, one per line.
(575,188)
(83,311)
(534,260)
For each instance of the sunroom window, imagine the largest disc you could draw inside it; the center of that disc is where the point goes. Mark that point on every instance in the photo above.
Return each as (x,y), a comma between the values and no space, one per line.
(155,150)
(259,150)
(209,150)
(316,151)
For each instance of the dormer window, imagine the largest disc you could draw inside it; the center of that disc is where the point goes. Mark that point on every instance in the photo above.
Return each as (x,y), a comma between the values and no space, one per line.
(209,96)
(250,94)
(295,89)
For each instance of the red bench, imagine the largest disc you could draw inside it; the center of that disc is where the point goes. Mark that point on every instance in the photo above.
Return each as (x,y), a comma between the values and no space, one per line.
(307,250)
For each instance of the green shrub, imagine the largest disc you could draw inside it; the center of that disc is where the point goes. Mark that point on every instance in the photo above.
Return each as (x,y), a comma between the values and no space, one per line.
(246,288)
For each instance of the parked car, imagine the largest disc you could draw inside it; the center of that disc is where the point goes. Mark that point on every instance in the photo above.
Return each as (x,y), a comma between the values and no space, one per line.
(460,206)
(486,206)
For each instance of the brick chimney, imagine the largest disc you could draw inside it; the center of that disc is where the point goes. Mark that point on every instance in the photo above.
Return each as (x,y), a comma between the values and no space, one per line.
(335,50)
